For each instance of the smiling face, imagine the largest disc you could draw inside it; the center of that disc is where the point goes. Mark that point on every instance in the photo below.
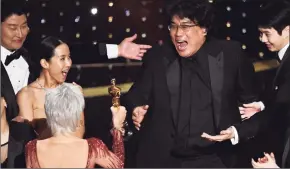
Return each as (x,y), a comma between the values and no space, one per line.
(59,64)
(14,31)
(273,40)
(186,36)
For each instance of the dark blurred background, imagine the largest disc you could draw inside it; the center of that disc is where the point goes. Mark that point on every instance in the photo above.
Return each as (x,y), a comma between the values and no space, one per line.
(85,23)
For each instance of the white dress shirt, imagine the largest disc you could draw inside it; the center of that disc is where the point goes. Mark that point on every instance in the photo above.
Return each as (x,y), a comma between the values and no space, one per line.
(17,70)
(112,51)
(282,52)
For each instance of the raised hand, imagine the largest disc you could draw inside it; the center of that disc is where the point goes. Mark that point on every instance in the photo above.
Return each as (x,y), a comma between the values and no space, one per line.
(119,116)
(130,50)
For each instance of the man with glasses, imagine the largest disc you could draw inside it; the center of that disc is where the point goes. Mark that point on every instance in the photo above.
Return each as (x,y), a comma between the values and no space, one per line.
(189,87)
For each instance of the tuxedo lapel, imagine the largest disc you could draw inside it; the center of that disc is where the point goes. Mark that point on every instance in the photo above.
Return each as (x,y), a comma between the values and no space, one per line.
(283,63)
(8,92)
(172,76)
(173,84)
(216,69)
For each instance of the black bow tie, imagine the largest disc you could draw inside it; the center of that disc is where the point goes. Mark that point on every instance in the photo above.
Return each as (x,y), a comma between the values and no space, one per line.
(14,56)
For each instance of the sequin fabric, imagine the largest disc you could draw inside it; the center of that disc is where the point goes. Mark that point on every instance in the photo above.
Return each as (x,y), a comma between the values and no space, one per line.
(97,151)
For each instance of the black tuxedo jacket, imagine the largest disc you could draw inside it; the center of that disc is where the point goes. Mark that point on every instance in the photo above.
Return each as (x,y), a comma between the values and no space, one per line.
(276,116)
(12,108)
(231,82)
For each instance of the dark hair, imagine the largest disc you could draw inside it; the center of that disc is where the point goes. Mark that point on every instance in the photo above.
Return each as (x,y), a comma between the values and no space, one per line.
(199,11)
(275,14)
(11,7)
(47,47)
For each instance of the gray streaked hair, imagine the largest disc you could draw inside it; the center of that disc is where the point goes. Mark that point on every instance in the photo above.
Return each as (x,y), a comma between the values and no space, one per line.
(63,107)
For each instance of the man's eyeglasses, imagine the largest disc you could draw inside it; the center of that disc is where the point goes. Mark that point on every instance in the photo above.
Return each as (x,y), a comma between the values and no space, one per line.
(185,27)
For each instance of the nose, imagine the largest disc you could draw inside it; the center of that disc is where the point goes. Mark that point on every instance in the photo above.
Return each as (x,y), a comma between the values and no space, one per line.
(19,32)
(68,63)
(263,38)
(179,31)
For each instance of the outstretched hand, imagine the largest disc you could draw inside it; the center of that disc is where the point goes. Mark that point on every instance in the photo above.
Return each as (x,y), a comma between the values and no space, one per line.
(130,50)
(224,135)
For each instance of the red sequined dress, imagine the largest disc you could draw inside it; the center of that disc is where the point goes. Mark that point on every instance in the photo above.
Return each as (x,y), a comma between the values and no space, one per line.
(97,149)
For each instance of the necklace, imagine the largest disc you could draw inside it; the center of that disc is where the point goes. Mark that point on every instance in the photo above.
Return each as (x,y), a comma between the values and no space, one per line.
(41,86)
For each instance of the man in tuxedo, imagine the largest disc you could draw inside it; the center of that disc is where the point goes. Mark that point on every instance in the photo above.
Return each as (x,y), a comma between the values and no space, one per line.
(274,27)
(187,88)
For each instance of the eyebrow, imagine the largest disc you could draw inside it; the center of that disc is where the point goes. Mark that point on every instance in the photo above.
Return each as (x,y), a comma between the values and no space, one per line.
(64,55)
(12,24)
(185,22)
(265,31)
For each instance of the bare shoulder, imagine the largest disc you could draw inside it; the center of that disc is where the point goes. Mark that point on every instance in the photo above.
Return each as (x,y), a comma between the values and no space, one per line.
(25,93)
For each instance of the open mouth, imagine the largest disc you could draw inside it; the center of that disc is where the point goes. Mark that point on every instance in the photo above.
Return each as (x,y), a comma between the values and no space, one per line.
(64,72)
(181,45)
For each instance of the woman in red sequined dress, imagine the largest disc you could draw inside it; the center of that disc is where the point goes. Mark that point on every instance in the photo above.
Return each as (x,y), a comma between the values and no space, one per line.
(63,107)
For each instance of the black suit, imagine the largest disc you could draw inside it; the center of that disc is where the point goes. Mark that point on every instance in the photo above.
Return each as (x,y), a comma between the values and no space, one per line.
(231,82)
(20,133)
(276,117)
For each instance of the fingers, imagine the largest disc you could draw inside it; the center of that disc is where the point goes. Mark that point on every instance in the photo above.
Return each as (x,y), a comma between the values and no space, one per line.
(218,138)
(137,125)
(254,164)
(142,46)
(118,109)
(142,51)
(241,108)
(272,155)
(146,107)
(209,137)
(131,39)
(225,132)
(250,105)
(269,157)
(244,117)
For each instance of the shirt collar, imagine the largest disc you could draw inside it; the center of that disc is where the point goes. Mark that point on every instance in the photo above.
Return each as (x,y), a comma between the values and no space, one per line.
(282,52)
(4,53)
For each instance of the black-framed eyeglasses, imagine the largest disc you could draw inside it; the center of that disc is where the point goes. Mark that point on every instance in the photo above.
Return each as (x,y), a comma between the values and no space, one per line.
(183,27)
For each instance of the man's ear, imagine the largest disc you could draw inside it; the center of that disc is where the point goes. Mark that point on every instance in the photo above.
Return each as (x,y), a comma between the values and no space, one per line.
(204,31)
(286,32)
(44,64)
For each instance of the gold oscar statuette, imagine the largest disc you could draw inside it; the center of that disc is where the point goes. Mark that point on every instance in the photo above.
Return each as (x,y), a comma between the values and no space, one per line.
(115,92)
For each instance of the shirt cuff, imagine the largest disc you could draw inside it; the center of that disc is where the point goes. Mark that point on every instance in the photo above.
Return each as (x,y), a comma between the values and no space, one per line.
(112,51)
(262,106)
(235,140)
